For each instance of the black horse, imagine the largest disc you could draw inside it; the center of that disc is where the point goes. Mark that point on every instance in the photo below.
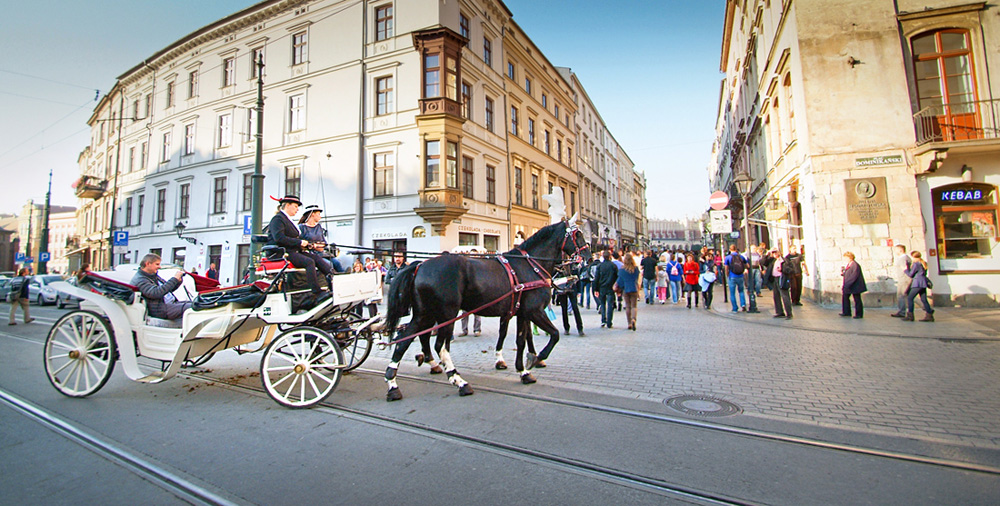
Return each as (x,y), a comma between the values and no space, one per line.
(437,289)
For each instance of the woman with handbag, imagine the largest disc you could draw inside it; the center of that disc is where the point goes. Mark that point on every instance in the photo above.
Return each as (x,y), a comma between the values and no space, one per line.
(781,285)
(919,286)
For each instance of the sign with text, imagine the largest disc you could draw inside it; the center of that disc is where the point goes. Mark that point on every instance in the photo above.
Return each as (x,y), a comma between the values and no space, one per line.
(247,225)
(867,200)
(877,161)
(120,238)
(721,222)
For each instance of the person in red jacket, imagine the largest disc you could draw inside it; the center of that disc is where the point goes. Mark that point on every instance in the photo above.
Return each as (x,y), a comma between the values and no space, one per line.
(691,273)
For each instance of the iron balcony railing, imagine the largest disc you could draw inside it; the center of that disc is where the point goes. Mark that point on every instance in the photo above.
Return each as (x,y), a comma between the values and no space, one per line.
(958,122)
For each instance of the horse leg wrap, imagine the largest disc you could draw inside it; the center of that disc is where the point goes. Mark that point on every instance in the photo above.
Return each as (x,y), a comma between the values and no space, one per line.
(500,364)
(435,367)
(527,378)
(390,376)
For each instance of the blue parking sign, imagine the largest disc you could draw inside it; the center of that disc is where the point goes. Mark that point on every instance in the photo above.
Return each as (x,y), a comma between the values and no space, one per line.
(44,256)
(247,225)
(120,238)
(19,257)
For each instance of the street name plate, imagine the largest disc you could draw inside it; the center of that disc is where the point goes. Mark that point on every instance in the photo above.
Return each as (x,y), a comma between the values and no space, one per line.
(867,200)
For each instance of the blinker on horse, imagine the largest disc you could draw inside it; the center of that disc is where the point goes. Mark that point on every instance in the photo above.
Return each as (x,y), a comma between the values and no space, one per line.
(437,289)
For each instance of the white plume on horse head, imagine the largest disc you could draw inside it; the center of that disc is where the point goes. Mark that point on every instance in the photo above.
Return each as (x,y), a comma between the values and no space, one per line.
(557,205)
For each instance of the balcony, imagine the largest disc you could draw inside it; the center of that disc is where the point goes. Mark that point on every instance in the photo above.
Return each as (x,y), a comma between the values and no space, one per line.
(90,187)
(960,122)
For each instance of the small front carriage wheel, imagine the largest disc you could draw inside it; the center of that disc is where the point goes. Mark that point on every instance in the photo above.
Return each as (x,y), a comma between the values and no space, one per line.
(301,367)
(79,353)
(356,349)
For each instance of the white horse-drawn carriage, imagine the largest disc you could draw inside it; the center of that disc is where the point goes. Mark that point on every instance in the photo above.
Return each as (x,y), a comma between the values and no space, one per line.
(306,351)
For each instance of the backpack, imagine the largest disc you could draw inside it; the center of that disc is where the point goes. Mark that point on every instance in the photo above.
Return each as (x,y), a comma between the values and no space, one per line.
(736,264)
(593,270)
(674,271)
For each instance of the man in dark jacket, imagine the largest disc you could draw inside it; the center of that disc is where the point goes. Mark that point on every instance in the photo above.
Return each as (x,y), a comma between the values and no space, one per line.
(793,262)
(854,286)
(19,296)
(160,302)
(607,274)
(398,262)
(648,265)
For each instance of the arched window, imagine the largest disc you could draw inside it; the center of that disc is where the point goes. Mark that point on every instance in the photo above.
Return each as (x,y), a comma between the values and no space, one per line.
(946,92)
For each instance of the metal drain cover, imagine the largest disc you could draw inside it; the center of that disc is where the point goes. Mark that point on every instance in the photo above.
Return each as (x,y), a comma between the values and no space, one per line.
(700,405)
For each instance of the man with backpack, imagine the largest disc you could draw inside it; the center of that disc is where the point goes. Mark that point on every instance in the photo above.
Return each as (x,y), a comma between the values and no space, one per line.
(675,274)
(648,265)
(736,266)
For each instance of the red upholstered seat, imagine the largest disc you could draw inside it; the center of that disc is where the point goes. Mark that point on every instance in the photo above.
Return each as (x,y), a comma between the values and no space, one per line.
(267,267)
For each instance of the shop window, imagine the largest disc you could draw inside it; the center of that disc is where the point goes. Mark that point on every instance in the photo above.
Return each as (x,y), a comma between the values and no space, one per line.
(467,239)
(491,243)
(965,225)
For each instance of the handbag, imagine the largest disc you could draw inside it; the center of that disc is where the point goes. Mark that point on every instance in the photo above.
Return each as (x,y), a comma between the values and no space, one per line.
(930,284)
(617,289)
(785,283)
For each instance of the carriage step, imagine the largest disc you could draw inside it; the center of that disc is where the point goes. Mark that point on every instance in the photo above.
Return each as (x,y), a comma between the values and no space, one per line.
(156,377)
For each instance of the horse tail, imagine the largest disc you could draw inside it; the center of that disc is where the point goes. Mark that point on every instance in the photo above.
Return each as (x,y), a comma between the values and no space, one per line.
(400,298)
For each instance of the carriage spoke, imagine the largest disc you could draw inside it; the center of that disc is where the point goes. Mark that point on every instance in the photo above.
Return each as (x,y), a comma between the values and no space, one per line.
(65,346)
(76,373)
(302,388)
(288,392)
(281,368)
(93,368)
(60,369)
(319,358)
(322,376)
(282,380)
(312,384)
(64,355)
(72,339)
(86,371)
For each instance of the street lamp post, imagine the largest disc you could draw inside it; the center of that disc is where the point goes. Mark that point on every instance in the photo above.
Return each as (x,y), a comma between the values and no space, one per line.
(744,184)
(257,179)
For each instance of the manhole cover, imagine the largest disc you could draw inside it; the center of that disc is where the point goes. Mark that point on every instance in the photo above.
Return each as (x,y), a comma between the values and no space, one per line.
(700,405)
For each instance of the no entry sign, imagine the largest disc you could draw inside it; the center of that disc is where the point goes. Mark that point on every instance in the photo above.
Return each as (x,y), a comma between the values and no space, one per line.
(718,200)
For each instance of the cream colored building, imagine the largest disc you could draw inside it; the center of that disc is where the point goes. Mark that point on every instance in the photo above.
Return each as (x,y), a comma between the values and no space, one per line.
(861,132)
(417,125)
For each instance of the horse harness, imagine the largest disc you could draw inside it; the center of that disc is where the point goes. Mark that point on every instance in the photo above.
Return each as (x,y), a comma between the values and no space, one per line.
(517,288)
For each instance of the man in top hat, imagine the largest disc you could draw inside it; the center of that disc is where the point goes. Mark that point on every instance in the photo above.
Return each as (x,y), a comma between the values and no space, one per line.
(282,231)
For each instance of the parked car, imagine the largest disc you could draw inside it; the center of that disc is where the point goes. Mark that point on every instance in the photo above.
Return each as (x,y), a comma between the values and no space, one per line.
(63,300)
(5,289)
(39,290)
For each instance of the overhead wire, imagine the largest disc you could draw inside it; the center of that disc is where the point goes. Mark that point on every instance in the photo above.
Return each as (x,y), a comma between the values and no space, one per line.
(42,131)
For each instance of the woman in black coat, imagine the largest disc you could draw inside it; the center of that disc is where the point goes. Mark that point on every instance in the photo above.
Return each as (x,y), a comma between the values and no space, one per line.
(854,286)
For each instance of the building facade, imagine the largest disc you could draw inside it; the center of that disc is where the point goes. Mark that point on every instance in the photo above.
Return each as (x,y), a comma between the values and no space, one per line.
(684,235)
(862,132)
(417,125)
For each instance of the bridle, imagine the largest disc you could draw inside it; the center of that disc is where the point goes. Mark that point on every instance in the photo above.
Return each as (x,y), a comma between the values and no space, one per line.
(571,231)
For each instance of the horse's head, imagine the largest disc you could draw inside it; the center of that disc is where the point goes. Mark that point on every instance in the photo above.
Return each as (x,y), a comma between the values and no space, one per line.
(574,243)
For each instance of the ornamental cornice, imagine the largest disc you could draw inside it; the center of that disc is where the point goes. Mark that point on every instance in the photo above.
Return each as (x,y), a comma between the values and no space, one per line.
(219,29)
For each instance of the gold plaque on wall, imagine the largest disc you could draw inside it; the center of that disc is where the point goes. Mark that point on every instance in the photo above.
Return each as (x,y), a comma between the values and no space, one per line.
(867,200)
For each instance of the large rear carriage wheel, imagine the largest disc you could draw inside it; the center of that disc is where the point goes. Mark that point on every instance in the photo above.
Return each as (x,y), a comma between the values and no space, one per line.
(79,353)
(301,367)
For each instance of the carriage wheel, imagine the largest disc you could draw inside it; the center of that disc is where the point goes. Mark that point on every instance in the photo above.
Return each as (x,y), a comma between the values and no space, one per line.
(301,367)
(356,349)
(79,353)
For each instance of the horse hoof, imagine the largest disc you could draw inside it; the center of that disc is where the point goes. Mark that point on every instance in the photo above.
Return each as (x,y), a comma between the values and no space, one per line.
(465,389)
(420,359)
(540,364)
(437,369)
(528,379)
(501,365)
(393,395)
(529,360)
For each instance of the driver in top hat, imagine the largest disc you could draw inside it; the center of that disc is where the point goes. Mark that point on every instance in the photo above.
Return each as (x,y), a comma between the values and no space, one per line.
(282,231)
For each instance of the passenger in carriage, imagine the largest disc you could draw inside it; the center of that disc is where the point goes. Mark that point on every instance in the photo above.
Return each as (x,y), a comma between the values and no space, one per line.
(160,302)
(312,231)
(281,231)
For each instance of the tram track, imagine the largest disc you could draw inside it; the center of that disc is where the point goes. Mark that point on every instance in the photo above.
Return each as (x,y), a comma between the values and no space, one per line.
(175,484)
(605,473)
(728,429)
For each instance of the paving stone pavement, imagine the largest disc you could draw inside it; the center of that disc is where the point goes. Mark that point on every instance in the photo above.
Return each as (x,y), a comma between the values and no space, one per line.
(931,381)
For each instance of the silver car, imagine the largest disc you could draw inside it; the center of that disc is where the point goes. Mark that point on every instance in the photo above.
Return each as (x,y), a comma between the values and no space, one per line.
(39,290)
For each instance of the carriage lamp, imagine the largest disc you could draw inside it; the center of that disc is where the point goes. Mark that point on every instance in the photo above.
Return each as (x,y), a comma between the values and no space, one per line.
(179,228)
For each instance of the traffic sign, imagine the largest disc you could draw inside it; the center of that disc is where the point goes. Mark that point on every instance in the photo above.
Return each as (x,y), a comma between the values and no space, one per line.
(120,238)
(721,221)
(247,225)
(718,200)
(44,256)
(19,256)
(29,260)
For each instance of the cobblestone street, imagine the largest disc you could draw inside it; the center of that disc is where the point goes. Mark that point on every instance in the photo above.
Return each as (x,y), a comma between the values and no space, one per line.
(928,381)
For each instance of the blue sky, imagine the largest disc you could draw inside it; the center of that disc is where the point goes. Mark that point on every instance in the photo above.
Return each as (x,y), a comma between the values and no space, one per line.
(650,66)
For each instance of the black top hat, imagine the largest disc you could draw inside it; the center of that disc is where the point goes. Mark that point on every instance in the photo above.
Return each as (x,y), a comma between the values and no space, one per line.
(290,199)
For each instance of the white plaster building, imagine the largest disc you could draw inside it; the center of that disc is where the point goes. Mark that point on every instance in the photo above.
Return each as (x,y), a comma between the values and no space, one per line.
(864,131)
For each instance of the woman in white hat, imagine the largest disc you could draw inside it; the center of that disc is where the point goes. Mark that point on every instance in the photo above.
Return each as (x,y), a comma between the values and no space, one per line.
(312,231)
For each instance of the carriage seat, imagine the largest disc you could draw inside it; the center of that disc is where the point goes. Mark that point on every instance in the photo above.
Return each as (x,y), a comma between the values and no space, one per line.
(269,266)
(162,323)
